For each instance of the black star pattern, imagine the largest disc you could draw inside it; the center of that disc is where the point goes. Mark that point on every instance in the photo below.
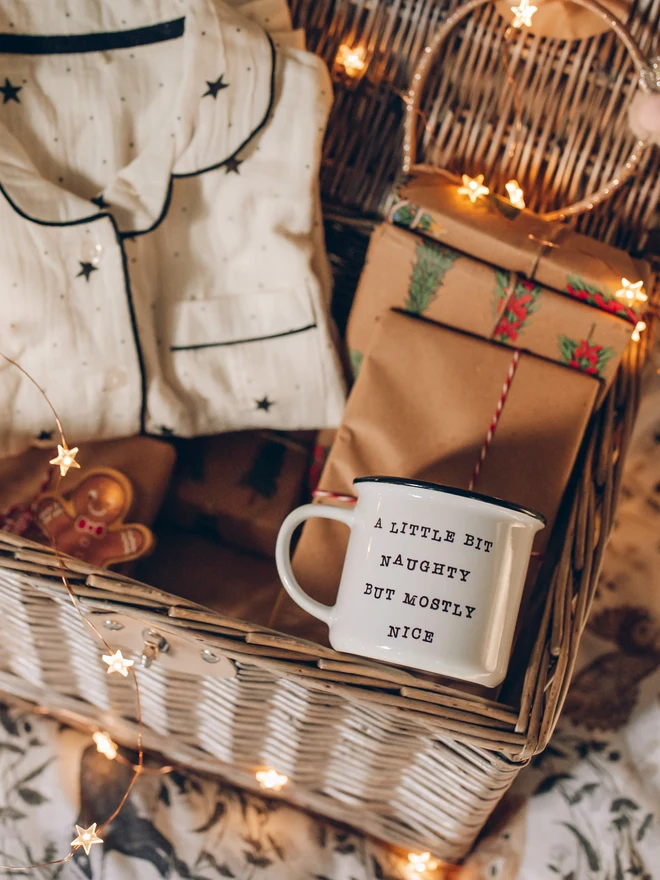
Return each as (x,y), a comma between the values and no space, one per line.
(100,202)
(264,403)
(45,435)
(232,165)
(86,270)
(215,87)
(166,432)
(10,92)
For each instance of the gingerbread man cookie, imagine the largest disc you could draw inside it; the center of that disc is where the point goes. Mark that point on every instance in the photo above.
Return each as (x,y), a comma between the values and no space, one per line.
(90,524)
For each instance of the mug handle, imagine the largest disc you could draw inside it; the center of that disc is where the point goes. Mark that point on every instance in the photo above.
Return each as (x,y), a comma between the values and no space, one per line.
(283,554)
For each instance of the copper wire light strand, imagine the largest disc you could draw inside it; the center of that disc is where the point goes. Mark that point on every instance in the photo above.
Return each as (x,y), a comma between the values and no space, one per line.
(138,768)
(41,391)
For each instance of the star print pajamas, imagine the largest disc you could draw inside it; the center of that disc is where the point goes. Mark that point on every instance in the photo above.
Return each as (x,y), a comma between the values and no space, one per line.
(159,207)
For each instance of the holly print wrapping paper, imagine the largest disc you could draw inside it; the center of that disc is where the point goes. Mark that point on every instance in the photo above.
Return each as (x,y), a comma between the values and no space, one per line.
(493,231)
(515,303)
(581,327)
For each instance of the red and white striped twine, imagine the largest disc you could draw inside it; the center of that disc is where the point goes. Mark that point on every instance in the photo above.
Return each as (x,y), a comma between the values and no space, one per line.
(496,418)
(351,499)
(334,496)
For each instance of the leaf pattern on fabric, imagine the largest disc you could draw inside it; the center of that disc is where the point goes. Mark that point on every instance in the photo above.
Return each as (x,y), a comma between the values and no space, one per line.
(590,852)
(172,826)
(432,262)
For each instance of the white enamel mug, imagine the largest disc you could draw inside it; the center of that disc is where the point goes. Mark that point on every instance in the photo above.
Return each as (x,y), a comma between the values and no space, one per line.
(432,578)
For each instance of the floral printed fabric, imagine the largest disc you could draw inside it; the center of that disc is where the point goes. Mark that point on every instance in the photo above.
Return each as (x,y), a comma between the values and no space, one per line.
(174,826)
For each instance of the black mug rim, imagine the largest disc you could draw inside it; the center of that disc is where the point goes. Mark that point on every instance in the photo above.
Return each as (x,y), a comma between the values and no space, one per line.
(450,490)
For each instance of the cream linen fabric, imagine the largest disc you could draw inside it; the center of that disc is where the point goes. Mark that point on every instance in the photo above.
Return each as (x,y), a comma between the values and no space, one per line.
(159,262)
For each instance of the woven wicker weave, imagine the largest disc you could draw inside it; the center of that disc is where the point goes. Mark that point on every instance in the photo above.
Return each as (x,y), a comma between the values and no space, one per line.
(384,749)
(575,97)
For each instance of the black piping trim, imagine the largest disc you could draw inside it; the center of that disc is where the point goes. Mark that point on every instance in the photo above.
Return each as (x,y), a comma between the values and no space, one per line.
(120,236)
(136,335)
(217,165)
(163,214)
(242,341)
(273,57)
(57,223)
(64,44)
(168,198)
(127,284)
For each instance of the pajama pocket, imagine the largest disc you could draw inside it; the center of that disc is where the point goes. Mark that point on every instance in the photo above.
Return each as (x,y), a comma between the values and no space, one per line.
(237,320)
(250,359)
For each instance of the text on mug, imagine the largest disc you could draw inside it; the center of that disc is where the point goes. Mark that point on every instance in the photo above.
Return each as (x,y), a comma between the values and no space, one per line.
(439,568)
(432,603)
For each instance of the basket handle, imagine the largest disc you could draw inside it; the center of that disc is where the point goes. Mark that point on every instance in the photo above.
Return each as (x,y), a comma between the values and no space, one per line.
(421,72)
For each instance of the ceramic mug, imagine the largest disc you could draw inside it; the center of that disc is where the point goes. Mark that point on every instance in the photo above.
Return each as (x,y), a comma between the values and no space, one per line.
(432,578)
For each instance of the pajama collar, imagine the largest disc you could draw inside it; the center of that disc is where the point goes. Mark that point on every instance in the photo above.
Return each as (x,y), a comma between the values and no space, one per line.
(224,99)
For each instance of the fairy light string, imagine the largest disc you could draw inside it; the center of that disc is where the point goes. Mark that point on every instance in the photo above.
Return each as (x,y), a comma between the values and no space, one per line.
(523,13)
(65,460)
(268,778)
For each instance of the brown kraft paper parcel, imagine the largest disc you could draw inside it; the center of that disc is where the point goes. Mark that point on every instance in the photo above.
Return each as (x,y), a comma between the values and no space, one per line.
(420,408)
(557,299)
(239,485)
(146,462)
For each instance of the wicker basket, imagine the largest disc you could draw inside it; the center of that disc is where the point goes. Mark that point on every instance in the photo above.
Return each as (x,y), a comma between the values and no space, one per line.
(386,750)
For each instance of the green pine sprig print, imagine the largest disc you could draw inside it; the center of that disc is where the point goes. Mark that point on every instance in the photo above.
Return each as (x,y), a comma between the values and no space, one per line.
(583,355)
(355,358)
(502,284)
(409,215)
(429,269)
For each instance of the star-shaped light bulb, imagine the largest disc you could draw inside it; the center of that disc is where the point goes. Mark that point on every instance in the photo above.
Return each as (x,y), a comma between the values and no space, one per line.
(421,863)
(473,188)
(523,14)
(65,459)
(271,779)
(117,663)
(515,193)
(87,837)
(639,327)
(351,59)
(631,293)
(105,745)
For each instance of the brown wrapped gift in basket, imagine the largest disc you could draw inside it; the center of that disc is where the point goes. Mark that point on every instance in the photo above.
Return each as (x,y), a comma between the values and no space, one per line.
(398,754)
